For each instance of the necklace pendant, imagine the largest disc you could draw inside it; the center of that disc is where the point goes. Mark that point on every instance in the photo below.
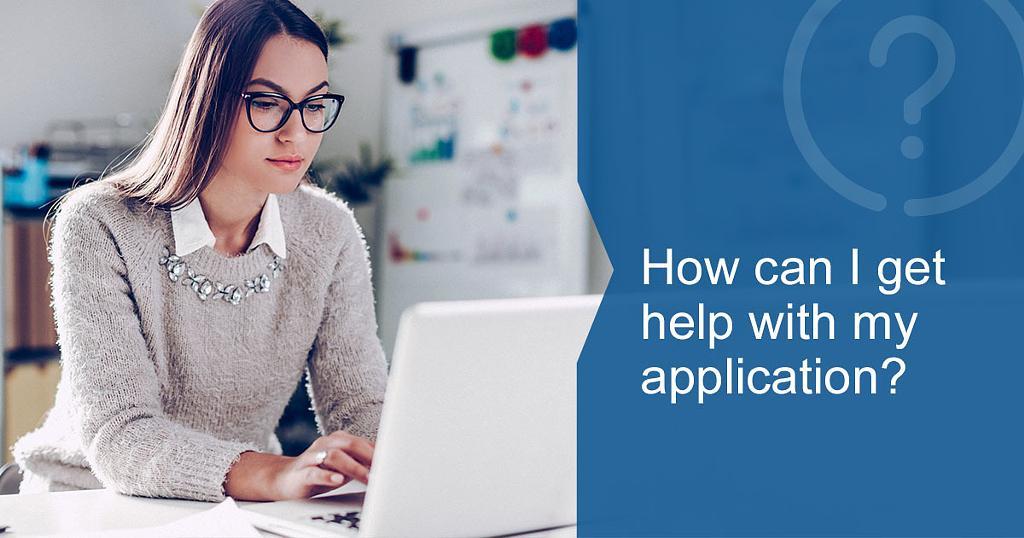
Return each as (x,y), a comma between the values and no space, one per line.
(204,288)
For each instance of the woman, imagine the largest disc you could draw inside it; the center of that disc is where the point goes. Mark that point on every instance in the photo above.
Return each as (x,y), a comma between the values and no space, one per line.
(193,288)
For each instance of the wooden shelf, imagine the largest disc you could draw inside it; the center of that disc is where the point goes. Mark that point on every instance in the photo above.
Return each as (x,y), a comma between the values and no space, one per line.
(28,317)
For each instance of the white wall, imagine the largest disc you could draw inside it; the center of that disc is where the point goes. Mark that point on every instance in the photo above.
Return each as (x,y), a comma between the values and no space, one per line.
(63,59)
(75,58)
(72,59)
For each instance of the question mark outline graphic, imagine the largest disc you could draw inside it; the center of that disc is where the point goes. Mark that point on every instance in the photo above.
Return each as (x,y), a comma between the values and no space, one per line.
(912,146)
(792,93)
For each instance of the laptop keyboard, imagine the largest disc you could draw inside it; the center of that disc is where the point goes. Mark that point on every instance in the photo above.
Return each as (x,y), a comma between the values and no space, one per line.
(347,520)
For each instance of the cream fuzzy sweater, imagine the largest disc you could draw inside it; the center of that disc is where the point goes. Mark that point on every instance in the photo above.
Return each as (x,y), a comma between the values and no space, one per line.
(161,391)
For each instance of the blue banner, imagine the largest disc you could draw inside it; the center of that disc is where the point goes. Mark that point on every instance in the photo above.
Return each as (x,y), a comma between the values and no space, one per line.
(812,212)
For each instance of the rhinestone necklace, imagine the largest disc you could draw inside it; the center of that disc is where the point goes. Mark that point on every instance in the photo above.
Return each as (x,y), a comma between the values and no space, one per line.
(204,288)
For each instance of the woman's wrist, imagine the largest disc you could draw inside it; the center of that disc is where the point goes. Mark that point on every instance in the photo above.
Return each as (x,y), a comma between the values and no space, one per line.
(253,476)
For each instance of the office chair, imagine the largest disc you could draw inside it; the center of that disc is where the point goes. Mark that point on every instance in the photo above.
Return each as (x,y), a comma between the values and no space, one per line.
(10,479)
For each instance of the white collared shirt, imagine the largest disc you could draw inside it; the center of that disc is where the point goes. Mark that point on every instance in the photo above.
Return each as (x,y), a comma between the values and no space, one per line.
(192,231)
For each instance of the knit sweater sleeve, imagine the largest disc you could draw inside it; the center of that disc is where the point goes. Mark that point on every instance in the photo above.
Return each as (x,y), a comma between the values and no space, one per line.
(130,445)
(347,368)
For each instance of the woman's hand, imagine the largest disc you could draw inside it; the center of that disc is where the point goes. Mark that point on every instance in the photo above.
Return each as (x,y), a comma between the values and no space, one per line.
(258,476)
(348,457)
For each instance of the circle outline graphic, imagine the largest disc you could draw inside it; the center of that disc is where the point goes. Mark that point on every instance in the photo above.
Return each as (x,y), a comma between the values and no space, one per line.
(792,93)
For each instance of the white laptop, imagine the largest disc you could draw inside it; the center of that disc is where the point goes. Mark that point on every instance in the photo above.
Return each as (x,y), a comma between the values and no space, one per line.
(478,432)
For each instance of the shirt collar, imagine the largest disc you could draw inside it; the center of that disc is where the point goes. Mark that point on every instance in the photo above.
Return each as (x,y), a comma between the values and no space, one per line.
(192,231)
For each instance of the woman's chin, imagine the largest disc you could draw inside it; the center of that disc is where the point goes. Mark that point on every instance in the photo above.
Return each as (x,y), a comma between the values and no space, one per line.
(283,184)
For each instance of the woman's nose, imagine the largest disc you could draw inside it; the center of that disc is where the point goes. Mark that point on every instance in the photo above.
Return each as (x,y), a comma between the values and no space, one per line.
(293,130)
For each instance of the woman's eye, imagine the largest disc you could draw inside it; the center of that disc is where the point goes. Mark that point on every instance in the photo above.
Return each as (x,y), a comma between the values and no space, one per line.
(314,108)
(264,105)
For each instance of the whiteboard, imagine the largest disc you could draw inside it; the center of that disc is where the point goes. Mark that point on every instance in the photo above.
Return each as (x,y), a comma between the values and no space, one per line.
(484,202)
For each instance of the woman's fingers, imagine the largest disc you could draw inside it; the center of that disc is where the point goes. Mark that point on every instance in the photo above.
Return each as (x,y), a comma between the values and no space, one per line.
(342,462)
(358,448)
(323,477)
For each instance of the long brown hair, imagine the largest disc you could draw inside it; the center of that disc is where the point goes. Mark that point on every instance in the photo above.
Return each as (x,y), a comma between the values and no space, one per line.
(179,157)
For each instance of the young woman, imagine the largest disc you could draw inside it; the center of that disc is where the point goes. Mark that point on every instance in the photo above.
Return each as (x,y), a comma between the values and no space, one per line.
(194,287)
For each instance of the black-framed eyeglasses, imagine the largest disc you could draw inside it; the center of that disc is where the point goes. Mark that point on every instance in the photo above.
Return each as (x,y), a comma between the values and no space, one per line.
(269,111)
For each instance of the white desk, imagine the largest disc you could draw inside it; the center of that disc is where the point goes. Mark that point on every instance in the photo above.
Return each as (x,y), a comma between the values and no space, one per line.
(101,509)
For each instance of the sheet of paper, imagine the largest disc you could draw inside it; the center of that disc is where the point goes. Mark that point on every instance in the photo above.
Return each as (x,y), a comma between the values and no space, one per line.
(353,486)
(225,520)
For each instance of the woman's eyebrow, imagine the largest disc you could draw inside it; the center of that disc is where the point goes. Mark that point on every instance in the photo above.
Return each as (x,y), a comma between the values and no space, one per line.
(277,87)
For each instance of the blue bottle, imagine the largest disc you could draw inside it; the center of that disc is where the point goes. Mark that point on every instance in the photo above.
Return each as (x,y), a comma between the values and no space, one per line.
(30,187)
(36,176)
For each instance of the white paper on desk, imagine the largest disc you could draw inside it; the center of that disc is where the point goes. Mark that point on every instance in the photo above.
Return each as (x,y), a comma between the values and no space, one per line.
(225,520)
(352,486)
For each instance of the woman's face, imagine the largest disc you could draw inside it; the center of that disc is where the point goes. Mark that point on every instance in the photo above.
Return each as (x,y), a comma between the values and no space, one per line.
(297,69)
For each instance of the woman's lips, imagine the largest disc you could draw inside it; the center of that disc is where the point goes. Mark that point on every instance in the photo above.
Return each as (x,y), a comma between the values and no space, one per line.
(289,165)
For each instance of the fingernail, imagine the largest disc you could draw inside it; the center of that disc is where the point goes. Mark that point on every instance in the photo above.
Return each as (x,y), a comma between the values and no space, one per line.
(337,478)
